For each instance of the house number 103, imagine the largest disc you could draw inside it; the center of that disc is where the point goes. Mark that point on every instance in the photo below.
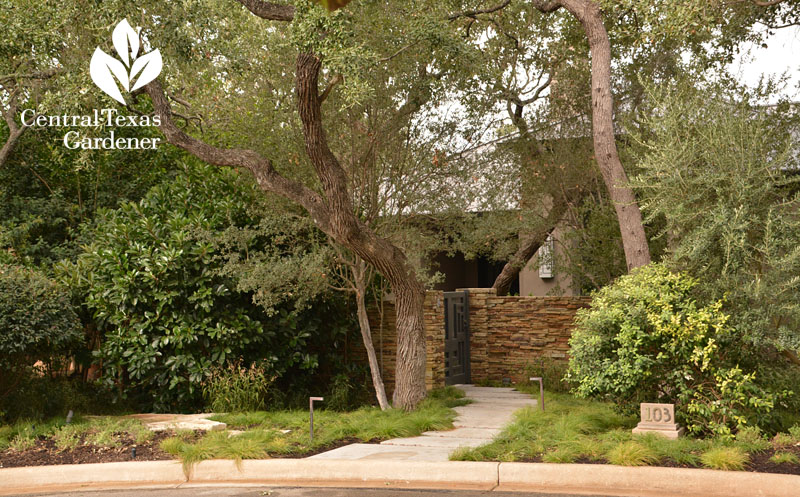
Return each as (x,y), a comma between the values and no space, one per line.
(656,414)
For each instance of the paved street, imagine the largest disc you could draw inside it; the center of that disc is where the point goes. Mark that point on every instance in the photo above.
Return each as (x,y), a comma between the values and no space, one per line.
(299,492)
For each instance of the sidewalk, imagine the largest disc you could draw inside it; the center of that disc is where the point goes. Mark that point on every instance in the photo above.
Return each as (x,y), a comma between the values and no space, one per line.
(476,424)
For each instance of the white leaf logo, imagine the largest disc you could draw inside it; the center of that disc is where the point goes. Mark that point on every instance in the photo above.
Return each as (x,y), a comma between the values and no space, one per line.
(106,71)
(126,41)
(150,64)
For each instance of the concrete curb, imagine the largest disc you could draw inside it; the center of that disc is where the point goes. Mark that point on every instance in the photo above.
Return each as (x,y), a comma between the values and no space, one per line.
(32,479)
(644,481)
(554,478)
(476,475)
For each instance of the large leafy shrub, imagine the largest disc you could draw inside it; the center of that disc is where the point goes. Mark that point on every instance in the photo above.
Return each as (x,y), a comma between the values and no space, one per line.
(646,339)
(154,278)
(37,323)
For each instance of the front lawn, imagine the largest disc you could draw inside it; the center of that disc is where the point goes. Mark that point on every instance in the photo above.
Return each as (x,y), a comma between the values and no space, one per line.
(262,434)
(250,435)
(573,430)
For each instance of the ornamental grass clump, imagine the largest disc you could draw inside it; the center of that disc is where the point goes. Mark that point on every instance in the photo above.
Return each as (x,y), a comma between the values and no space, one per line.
(237,388)
(631,454)
(725,458)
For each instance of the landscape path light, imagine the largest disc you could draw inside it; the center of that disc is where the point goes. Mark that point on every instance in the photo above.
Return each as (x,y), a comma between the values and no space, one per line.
(541,389)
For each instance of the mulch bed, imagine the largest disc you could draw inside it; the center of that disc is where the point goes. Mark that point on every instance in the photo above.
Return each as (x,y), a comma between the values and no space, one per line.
(759,462)
(46,453)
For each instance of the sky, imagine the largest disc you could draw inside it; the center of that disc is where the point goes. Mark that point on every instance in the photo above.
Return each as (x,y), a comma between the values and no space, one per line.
(782,55)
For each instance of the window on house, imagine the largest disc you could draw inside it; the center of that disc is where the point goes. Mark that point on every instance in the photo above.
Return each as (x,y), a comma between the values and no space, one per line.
(546,258)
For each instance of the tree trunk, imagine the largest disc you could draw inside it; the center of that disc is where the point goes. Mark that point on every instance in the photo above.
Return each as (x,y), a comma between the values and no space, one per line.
(8,146)
(529,244)
(634,240)
(14,131)
(332,211)
(409,387)
(360,277)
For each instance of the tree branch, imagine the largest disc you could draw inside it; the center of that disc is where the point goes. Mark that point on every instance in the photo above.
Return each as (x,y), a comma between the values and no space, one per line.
(473,13)
(14,131)
(46,74)
(546,6)
(335,81)
(261,167)
(268,10)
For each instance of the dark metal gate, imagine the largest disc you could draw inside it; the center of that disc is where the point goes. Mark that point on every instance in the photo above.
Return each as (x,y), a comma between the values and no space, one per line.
(456,338)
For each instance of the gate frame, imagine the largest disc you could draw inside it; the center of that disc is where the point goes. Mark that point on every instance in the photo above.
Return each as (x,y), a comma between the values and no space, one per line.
(467,348)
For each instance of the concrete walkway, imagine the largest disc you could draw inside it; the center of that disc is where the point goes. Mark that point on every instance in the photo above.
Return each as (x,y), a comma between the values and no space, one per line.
(161,422)
(476,424)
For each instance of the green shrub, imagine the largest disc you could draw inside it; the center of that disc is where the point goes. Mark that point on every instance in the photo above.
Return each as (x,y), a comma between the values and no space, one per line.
(37,323)
(236,388)
(718,168)
(551,371)
(341,393)
(170,312)
(752,439)
(44,396)
(646,339)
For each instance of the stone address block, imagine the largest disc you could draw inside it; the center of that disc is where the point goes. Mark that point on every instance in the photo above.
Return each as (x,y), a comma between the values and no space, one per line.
(658,418)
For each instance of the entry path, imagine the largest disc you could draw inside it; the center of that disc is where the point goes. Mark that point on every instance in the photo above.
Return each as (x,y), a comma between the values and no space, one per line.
(476,424)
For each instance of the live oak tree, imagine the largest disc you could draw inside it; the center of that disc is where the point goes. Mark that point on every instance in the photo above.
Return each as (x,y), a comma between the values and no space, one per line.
(327,194)
(28,66)
(532,86)
(251,85)
(677,20)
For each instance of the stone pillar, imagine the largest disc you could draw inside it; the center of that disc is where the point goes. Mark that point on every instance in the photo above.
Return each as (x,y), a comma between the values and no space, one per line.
(434,339)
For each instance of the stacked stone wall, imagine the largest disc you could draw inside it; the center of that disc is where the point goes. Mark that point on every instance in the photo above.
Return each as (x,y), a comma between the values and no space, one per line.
(384,338)
(506,334)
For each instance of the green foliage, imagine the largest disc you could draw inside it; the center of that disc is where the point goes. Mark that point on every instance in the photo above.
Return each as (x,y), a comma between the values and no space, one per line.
(342,391)
(631,454)
(725,458)
(449,396)
(572,429)
(38,323)
(40,396)
(153,277)
(112,431)
(68,437)
(568,429)
(552,372)
(752,438)
(721,172)
(784,458)
(236,388)
(286,433)
(646,339)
